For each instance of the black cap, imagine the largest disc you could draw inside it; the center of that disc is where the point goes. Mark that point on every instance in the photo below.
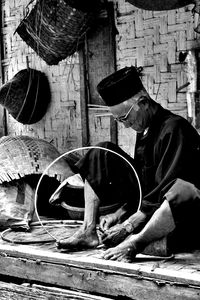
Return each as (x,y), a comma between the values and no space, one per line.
(120,86)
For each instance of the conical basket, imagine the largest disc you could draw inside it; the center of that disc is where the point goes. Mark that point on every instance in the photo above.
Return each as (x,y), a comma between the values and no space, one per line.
(24,155)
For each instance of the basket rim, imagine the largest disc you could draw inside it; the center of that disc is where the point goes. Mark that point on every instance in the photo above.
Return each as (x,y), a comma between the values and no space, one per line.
(82,209)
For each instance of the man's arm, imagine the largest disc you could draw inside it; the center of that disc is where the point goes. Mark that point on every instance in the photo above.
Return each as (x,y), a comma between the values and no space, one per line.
(176,156)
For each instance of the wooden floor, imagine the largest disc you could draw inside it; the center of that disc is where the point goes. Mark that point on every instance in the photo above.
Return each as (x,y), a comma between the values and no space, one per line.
(41,266)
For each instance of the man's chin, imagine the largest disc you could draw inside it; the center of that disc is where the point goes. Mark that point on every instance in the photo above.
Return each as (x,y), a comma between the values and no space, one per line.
(138,130)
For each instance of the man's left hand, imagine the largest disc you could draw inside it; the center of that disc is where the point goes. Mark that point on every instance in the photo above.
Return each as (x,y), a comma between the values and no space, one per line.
(115,235)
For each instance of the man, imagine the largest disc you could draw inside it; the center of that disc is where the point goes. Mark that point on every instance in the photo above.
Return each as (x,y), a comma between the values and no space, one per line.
(167,148)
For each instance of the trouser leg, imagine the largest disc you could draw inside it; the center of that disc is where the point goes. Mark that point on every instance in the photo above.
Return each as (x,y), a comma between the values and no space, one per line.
(184,201)
(112,179)
(177,217)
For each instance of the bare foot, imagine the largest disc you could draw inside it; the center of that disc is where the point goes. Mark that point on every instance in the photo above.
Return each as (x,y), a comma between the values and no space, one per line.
(126,251)
(81,239)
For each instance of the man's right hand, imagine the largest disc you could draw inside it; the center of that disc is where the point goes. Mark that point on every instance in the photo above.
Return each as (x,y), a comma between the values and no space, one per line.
(112,219)
(108,221)
(117,233)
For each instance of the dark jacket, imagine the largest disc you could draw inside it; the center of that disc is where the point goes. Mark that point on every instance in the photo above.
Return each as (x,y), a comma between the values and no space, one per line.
(168,151)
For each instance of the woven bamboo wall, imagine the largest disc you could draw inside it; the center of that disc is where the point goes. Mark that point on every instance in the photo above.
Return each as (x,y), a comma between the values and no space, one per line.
(145,38)
(61,124)
(154,40)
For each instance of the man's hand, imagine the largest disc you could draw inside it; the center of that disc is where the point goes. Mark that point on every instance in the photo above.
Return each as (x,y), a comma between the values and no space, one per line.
(107,221)
(111,219)
(116,234)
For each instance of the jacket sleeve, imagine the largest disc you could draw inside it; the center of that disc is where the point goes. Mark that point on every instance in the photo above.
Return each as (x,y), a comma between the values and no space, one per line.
(175,156)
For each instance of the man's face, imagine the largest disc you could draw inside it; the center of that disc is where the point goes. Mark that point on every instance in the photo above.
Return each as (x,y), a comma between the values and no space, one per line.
(132,114)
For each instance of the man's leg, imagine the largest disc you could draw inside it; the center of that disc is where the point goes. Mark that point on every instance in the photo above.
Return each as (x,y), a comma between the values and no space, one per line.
(112,178)
(109,179)
(86,236)
(160,225)
(181,207)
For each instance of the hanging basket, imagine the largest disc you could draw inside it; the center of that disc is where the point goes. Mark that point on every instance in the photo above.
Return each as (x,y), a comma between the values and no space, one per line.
(26,96)
(55,29)
(157,5)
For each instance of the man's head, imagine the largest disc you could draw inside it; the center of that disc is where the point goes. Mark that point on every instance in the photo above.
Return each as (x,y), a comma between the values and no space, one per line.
(127,98)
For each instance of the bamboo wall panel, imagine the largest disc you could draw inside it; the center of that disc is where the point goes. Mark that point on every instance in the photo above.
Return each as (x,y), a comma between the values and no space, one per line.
(99,127)
(61,124)
(154,40)
(150,39)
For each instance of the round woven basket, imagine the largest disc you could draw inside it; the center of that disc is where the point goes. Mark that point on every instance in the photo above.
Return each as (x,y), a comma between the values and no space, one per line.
(55,29)
(77,213)
(157,5)
(24,155)
(71,198)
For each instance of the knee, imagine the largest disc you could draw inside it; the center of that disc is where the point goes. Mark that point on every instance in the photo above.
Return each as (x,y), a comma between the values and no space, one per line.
(183,190)
(99,150)
(110,146)
(106,144)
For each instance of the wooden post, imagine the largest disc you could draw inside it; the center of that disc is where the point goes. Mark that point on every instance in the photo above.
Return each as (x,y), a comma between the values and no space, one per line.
(84,97)
(97,60)
(3,114)
(113,123)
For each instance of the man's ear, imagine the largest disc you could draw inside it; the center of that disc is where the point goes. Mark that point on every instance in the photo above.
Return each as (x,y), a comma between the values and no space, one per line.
(143,101)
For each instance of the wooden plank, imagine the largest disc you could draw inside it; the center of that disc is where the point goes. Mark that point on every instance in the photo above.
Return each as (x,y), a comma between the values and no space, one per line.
(37,292)
(3,116)
(100,52)
(96,281)
(101,62)
(84,99)
(141,266)
(70,294)
(113,131)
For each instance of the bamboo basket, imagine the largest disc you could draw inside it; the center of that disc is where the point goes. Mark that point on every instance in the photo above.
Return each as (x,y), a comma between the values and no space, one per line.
(26,96)
(55,29)
(157,5)
(24,155)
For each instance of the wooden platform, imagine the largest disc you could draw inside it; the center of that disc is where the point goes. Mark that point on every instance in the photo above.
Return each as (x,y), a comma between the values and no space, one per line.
(40,271)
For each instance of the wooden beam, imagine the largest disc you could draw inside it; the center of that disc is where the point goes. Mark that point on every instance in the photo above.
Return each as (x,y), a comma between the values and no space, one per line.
(105,278)
(3,114)
(95,281)
(84,98)
(113,123)
(38,292)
